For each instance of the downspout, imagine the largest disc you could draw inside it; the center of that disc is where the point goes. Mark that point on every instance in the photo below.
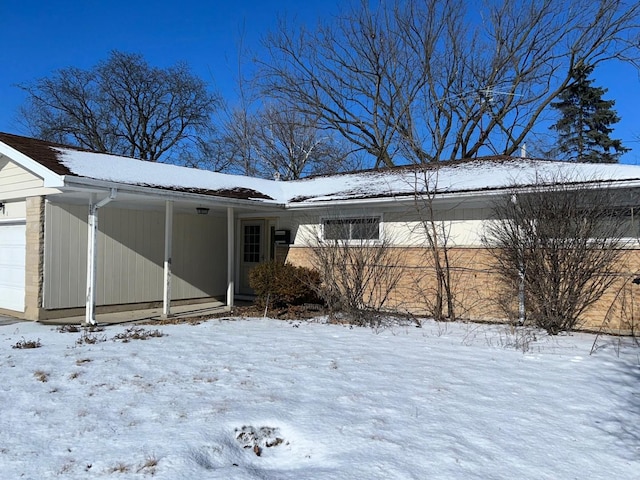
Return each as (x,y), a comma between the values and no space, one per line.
(92,255)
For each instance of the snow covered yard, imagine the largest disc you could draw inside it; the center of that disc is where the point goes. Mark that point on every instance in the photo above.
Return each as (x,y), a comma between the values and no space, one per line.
(268,399)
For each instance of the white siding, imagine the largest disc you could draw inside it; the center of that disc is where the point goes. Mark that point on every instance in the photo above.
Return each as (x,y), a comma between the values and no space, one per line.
(15,179)
(404,227)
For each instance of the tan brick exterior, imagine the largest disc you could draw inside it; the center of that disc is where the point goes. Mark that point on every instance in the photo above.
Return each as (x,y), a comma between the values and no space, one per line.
(34,257)
(478,294)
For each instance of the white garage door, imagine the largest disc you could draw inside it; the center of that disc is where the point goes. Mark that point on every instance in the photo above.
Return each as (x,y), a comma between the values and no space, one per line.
(12,266)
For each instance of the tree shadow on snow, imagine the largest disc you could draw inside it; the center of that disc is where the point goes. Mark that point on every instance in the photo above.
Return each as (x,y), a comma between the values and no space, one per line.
(622,420)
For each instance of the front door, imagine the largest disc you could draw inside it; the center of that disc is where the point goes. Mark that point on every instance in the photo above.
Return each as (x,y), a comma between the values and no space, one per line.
(252,251)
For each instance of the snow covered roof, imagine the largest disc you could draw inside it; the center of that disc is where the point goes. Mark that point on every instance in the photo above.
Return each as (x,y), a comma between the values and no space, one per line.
(477,175)
(456,177)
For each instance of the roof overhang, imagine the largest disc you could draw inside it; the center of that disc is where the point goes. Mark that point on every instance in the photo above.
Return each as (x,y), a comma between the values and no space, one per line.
(86,186)
(457,195)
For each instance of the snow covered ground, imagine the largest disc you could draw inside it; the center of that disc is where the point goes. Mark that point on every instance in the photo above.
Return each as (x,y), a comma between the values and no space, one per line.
(268,399)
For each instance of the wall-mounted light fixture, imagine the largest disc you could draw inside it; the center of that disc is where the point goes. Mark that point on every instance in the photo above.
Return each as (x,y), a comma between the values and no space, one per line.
(202,210)
(2,207)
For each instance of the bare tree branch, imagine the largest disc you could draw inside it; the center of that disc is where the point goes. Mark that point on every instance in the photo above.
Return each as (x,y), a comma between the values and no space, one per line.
(122,106)
(425,80)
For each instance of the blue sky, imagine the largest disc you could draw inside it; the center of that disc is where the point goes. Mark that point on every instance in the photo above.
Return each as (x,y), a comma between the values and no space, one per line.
(40,36)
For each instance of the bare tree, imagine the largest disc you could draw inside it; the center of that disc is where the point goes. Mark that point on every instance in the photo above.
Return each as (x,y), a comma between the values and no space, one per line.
(358,267)
(557,243)
(437,234)
(276,141)
(236,141)
(122,106)
(290,145)
(425,80)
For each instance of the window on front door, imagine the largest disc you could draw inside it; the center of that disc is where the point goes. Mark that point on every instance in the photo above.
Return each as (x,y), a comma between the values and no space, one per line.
(252,243)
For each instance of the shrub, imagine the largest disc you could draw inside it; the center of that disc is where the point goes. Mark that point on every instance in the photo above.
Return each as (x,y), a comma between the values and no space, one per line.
(68,328)
(283,285)
(555,248)
(87,338)
(137,333)
(27,344)
(358,277)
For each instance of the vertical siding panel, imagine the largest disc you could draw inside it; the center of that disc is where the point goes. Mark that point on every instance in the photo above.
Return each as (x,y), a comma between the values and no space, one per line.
(148,240)
(100,261)
(124,249)
(138,287)
(75,278)
(177,256)
(72,272)
(131,264)
(65,252)
(50,252)
(158,256)
(130,257)
(80,260)
(73,238)
(64,258)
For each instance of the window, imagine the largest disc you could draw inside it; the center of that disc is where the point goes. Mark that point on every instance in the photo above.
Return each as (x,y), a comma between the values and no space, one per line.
(252,243)
(352,229)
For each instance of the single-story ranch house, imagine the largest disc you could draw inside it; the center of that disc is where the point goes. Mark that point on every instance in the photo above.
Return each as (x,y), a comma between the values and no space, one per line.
(82,232)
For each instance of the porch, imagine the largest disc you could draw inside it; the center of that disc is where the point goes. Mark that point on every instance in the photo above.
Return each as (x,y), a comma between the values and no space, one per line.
(151,314)
(172,252)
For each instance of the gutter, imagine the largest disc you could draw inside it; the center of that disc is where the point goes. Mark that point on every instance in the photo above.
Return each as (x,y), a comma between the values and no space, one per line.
(90,185)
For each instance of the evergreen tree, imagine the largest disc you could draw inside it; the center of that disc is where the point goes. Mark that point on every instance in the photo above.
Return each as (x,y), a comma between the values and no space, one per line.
(584,126)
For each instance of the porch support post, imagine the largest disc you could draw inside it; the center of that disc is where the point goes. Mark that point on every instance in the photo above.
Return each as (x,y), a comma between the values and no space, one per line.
(230,257)
(168,237)
(92,254)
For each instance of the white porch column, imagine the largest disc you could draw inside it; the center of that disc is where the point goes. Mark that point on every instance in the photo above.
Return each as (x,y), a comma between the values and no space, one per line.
(230,256)
(92,254)
(168,238)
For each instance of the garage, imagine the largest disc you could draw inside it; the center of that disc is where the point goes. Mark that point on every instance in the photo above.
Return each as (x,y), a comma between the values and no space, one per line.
(12,265)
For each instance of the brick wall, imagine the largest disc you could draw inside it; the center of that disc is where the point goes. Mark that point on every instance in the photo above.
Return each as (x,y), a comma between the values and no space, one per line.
(479,295)
(34,257)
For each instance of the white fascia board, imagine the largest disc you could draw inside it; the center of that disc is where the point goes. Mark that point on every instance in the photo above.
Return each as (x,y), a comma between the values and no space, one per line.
(397,200)
(92,185)
(51,179)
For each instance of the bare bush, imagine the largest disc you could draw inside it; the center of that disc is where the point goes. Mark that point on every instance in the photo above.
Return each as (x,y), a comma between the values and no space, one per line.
(137,333)
(358,266)
(68,328)
(554,246)
(22,344)
(88,338)
(441,302)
